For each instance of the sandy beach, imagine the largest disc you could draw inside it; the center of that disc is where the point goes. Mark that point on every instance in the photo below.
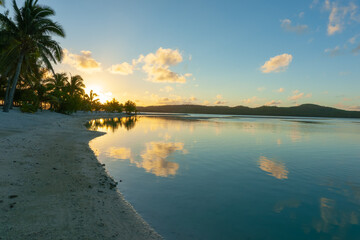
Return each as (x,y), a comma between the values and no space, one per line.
(53,187)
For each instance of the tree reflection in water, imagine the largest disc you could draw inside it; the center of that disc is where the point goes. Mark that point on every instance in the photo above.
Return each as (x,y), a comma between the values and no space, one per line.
(112,123)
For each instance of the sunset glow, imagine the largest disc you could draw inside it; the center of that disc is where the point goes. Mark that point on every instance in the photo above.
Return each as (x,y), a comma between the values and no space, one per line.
(277,54)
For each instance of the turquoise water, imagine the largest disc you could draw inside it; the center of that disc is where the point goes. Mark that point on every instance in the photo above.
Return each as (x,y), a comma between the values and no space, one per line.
(200,177)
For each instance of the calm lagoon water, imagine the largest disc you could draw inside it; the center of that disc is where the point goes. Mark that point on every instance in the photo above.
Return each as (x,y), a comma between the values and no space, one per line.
(237,177)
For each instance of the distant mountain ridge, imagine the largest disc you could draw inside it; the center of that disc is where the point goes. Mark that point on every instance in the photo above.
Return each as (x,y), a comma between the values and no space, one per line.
(305,110)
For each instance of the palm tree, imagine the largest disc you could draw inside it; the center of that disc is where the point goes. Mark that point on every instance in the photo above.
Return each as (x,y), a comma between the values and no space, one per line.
(76,86)
(29,33)
(57,82)
(56,86)
(92,100)
(92,97)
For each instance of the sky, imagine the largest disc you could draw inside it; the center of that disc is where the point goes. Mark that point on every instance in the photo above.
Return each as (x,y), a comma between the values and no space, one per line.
(251,53)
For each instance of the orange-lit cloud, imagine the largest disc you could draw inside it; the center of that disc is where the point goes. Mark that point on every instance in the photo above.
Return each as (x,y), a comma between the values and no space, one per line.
(298,95)
(339,16)
(280,90)
(173,100)
(219,102)
(156,65)
(299,29)
(168,57)
(122,69)
(250,100)
(277,64)
(83,62)
(273,103)
(334,51)
(162,74)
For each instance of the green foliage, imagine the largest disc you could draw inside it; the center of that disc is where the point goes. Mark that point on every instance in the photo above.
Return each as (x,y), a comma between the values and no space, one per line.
(113,106)
(28,108)
(25,37)
(130,107)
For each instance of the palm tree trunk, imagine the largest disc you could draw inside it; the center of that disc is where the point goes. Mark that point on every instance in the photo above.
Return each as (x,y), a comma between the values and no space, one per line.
(7,86)
(10,99)
(7,90)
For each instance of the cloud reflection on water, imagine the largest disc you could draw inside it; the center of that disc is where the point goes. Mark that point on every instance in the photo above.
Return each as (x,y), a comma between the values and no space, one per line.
(154,159)
(277,170)
(120,153)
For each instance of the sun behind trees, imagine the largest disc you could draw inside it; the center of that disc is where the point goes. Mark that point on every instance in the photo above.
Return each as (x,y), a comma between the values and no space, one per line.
(27,78)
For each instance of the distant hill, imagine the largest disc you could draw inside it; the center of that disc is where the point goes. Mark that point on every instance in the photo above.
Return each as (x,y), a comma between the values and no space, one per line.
(305,110)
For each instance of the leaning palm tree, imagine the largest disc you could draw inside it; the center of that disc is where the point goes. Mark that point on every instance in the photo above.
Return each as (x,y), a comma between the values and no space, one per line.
(29,33)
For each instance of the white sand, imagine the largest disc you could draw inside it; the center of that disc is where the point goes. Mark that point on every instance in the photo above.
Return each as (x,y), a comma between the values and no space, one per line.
(53,187)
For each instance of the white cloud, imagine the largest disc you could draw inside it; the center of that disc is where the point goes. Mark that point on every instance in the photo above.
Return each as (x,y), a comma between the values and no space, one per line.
(278,63)
(83,62)
(122,69)
(299,29)
(280,90)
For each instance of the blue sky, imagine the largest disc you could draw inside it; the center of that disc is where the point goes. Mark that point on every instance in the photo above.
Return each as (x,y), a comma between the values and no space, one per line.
(215,52)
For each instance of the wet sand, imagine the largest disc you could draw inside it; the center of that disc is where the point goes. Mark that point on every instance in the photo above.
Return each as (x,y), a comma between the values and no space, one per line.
(53,187)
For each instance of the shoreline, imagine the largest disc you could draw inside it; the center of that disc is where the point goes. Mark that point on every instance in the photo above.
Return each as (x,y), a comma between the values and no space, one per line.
(54,187)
